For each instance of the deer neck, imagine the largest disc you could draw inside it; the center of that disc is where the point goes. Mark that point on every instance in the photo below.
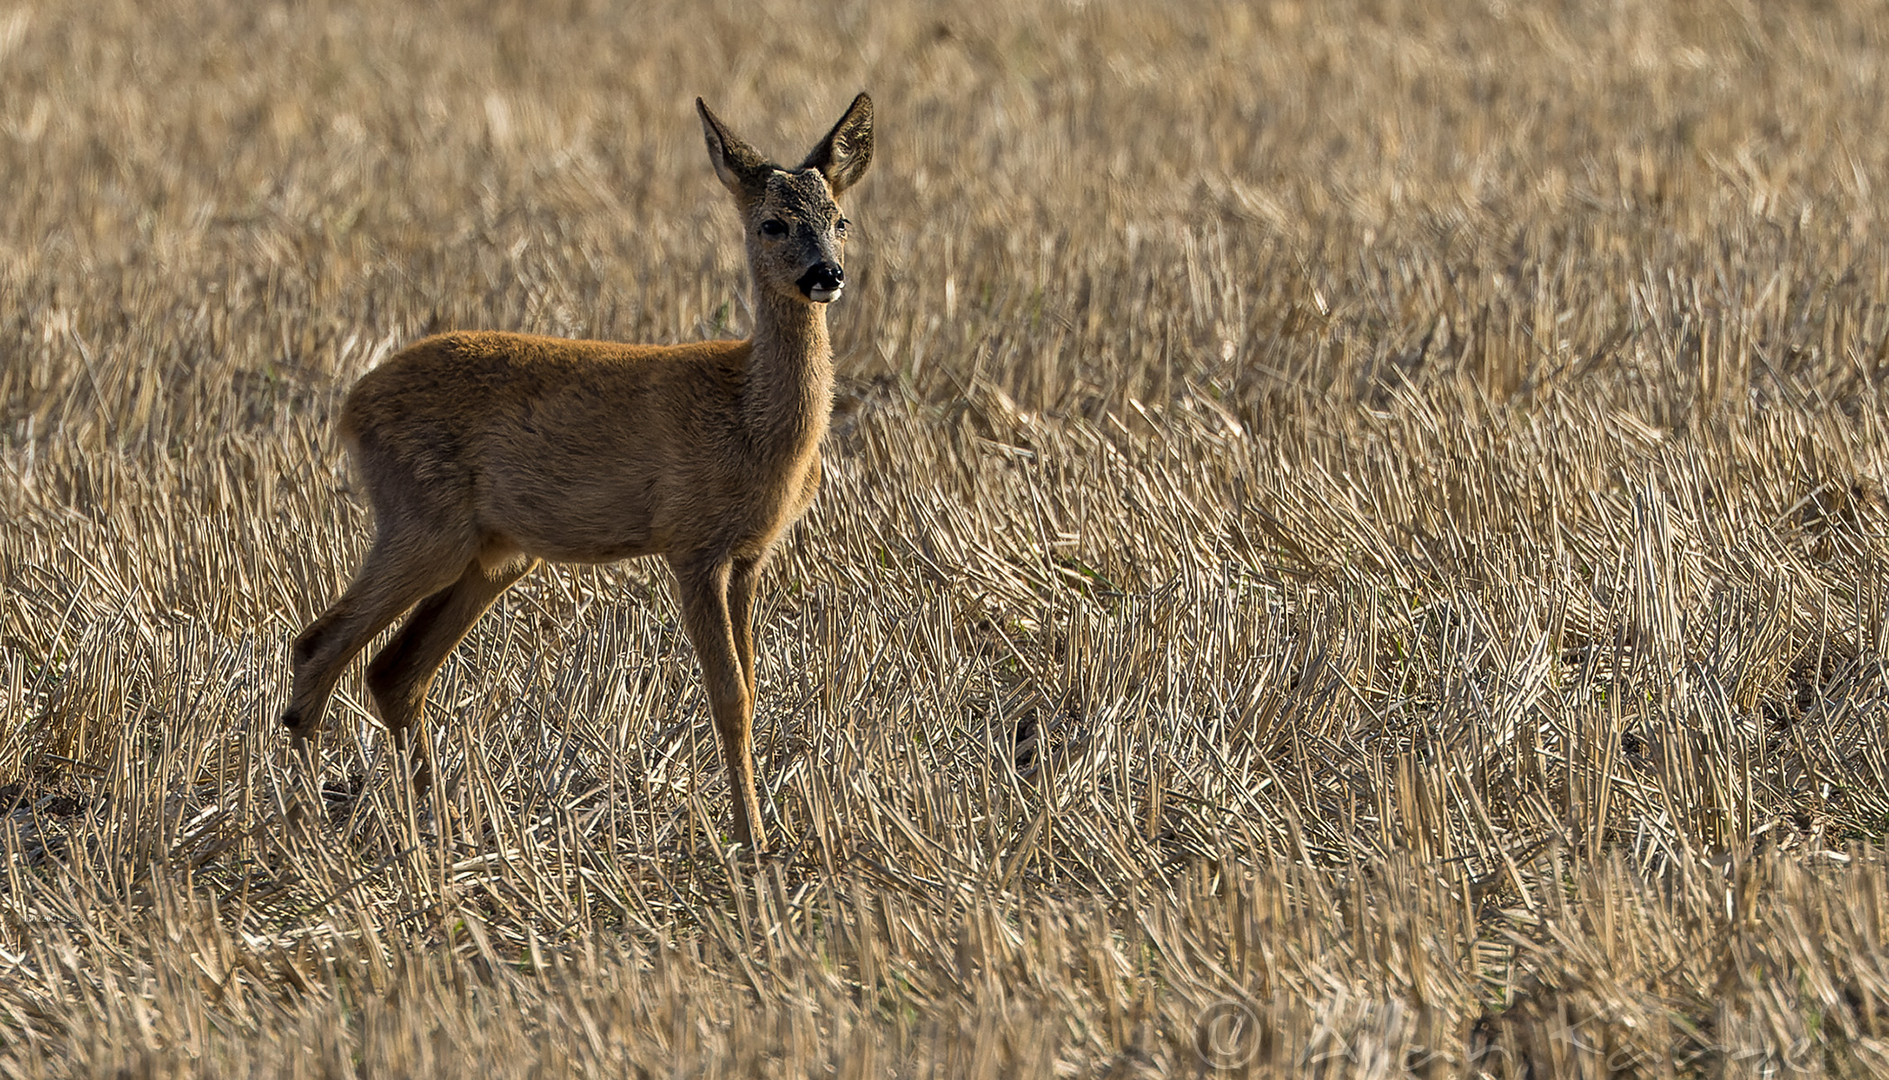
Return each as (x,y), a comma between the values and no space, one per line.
(790,375)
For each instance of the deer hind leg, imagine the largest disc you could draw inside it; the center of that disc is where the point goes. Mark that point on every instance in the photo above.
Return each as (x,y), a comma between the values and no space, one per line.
(705,615)
(403,670)
(397,572)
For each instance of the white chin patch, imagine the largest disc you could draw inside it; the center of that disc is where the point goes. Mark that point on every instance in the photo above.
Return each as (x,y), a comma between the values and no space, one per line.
(825,296)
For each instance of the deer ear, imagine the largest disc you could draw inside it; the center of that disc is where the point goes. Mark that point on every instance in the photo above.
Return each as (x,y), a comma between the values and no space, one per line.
(843,155)
(738,165)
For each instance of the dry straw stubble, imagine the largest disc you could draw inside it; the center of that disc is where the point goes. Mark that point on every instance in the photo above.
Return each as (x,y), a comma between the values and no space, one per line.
(1366,512)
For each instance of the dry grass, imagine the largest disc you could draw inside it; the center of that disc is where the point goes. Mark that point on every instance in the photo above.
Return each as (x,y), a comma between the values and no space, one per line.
(1366,512)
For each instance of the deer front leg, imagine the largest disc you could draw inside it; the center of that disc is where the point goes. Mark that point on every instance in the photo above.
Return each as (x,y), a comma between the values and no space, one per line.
(710,626)
(742,582)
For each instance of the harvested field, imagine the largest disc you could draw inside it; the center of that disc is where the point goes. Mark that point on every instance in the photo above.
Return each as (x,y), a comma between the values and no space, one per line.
(1353,545)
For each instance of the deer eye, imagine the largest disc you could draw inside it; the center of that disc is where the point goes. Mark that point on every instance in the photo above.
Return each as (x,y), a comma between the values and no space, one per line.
(840,226)
(774,227)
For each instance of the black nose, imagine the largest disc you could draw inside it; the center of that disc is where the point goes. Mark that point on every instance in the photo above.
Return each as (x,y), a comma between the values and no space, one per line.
(824,276)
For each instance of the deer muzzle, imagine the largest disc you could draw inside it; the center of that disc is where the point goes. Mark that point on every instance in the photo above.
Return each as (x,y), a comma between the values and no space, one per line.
(822,283)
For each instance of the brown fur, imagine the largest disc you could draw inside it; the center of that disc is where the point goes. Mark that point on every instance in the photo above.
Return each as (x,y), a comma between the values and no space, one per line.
(484,453)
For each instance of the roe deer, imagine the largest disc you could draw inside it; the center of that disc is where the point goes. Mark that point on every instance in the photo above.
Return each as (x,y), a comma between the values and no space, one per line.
(484,453)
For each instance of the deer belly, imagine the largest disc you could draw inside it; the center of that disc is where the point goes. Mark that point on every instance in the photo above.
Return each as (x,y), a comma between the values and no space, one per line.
(573,522)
